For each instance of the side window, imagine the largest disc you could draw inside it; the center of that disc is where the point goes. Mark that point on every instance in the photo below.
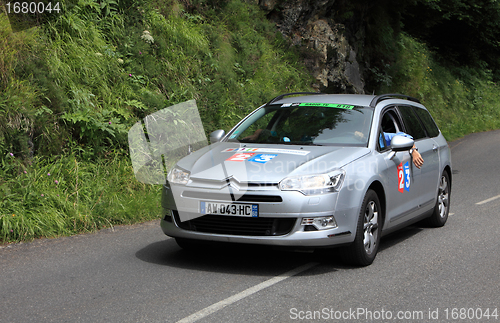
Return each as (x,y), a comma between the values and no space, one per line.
(390,124)
(430,125)
(412,124)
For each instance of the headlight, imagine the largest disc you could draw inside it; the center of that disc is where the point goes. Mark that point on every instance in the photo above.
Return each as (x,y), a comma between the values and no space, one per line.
(178,176)
(314,184)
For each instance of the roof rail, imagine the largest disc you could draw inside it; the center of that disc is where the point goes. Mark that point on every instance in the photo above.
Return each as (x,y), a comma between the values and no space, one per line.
(382,97)
(279,97)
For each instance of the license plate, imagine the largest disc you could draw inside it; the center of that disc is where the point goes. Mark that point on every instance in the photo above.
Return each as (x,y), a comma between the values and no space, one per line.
(250,210)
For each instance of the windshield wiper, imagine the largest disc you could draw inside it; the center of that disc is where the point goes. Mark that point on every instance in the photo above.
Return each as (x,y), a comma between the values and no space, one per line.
(302,143)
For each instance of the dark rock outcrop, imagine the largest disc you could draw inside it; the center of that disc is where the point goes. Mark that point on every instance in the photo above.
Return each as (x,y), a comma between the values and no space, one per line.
(329,56)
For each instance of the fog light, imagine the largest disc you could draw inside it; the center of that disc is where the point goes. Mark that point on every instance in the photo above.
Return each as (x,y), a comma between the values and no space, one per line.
(321,223)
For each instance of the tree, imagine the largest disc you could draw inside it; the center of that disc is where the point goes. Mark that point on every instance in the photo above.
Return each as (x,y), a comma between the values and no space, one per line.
(465,32)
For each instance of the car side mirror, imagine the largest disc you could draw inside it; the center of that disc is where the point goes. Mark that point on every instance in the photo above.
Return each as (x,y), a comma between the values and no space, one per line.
(216,136)
(400,143)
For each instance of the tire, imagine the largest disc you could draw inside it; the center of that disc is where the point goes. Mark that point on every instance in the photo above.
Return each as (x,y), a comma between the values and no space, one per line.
(441,210)
(364,249)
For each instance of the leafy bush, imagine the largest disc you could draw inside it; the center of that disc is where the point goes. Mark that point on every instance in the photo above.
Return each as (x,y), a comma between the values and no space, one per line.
(462,100)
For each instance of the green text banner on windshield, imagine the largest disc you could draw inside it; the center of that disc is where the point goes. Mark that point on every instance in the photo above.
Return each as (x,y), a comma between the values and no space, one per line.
(327,105)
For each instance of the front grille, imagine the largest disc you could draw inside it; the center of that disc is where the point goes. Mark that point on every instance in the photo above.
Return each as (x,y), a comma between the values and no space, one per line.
(235,225)
(224,197)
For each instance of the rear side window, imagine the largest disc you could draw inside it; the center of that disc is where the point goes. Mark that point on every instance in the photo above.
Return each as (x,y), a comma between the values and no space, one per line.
(430,125)
(412,123)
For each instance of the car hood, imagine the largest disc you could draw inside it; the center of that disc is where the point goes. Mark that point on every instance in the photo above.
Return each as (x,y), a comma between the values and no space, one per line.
(259,163)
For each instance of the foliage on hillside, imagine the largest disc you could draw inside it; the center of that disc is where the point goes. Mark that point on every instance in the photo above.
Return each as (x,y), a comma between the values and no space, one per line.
(71,88)
(462,100)
(446,53)
(463,32)
(93,71)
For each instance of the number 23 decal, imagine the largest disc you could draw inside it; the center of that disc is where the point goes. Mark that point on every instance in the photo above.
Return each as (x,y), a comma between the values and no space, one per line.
(404,177)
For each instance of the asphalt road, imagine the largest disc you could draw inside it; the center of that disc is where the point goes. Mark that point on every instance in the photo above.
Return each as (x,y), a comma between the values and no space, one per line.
(136,274)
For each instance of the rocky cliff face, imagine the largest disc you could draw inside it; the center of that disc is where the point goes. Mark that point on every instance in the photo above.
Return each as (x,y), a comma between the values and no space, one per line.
(331,58)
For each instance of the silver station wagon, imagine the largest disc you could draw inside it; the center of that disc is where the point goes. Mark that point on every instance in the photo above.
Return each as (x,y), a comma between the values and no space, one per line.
(313,170)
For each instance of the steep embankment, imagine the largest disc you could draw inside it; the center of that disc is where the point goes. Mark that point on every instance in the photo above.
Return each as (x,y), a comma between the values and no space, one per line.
(71,88)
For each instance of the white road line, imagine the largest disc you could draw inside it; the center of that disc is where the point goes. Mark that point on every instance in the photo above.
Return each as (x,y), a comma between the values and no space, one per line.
(247,292)
(488,200)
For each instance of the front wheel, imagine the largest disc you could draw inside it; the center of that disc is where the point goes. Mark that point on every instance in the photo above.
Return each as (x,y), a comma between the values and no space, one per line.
(366,243)
(440,213)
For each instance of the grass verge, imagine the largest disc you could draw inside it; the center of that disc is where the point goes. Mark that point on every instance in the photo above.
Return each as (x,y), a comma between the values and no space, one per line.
(64,196)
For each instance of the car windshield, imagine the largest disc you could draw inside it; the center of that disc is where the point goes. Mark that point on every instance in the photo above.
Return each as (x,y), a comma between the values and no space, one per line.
(306,124)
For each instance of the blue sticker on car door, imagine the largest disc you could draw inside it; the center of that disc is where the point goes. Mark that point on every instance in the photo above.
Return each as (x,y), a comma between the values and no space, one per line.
(407,176)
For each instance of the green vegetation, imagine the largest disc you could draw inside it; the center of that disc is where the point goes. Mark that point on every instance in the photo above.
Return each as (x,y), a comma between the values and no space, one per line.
(71,88)
(463,32)
(65,196)
(461,100)
(445,53)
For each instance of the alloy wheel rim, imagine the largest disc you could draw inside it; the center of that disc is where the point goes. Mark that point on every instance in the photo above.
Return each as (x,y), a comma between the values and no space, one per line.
(370,227)
(443,196)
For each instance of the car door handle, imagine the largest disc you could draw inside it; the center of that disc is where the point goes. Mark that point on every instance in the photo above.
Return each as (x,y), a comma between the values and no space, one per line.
(434,148)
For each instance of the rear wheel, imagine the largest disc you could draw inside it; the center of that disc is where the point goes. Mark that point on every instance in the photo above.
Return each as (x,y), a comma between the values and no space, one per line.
(440,214)
(366,243)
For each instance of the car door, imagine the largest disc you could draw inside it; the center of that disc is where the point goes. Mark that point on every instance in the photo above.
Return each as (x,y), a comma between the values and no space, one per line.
(426,178)
(433,172)
(401,197)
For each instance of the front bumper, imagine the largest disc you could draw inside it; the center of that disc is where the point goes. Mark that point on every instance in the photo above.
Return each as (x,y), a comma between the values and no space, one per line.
(284,215)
